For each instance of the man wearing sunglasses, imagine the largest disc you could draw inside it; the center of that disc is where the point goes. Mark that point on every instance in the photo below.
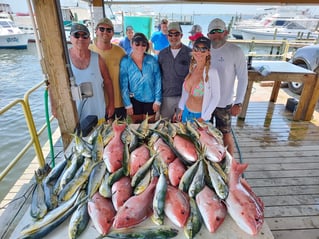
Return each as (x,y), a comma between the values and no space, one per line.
(174,62)
(230,62)
(89,69)
(112,55)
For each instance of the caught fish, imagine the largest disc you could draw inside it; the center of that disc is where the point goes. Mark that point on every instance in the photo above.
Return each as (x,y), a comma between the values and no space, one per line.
(113,151)
(176,170)
(79,220)
(101,212)
(138,158)
(38,205)
(246,209)
(76,183)
(105,188)
(139,175)
(198,181)
(212,210)
(136,209)
(215,151)
(153,232)
(177,206)
(217,181)
(121,191)
(95,178)
(97,150)
(159,200)
(81,146)
(165,153)
(194,221)
(50,216)
(50,225)
(187,177)
(186,148)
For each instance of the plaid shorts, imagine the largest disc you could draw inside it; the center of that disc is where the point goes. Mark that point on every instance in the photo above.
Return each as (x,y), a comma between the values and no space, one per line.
(223,119)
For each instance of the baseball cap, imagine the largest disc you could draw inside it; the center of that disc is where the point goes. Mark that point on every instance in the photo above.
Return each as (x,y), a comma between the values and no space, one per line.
(140,37)
(129,28)
(77,27)
(217,23)
(174,26)
(202,40)
(105,21)
(195,28)
(195,36)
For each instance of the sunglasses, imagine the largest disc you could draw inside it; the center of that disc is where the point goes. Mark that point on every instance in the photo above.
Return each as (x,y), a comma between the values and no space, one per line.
(78,35)
(175,34)
(103,29)
(216,31)
(200,49)
(143,44)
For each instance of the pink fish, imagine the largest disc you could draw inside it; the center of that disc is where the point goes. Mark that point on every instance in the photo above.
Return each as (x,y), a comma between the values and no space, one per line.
(214,150)
(101,212)
(164,151)
(246,209)
(121,191)
(186,148)
(113,151)
(177,207)
(176,170)
(213,211)
(138,157)
(137,208)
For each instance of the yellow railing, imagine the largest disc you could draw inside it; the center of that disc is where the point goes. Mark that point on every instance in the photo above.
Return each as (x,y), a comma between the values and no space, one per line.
(32,130)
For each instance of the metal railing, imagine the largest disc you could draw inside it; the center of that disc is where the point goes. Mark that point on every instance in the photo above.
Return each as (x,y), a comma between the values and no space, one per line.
(32,130)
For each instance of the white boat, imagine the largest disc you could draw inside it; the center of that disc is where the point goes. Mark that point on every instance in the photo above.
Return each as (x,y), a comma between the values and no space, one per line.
(11,37)
(291,30)
(275,18)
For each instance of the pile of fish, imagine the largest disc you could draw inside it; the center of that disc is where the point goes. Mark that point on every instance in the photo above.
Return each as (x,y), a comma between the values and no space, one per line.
(123,174)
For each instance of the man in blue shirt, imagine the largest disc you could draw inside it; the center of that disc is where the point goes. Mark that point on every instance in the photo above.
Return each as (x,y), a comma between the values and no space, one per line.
(159,39)
(125,42)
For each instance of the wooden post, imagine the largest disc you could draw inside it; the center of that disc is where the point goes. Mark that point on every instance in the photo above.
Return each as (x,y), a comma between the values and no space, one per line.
(54,65)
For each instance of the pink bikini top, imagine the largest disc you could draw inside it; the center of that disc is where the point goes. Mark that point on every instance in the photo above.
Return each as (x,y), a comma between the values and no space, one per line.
(197,90)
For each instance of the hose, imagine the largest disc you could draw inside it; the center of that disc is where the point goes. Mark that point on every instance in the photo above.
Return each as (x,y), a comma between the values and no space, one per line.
(47,117)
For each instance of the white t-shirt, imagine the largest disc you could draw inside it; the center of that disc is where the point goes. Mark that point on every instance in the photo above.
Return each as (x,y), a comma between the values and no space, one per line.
(230,62)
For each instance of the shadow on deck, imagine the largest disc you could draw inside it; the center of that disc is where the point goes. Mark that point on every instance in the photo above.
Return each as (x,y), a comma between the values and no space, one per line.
(283,164)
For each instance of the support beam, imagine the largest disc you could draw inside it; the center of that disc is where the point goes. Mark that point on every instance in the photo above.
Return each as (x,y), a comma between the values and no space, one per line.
(54,65)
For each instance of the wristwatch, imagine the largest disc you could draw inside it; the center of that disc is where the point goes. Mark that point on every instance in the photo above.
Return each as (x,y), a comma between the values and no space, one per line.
(239,104)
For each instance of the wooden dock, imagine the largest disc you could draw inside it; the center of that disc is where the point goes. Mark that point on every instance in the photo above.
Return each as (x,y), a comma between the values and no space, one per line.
(283,158)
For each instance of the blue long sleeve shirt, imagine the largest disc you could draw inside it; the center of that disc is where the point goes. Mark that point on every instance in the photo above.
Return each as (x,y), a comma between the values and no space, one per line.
(144,85)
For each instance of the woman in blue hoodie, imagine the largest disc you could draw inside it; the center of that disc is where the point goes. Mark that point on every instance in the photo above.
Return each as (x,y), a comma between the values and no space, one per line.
(140,81)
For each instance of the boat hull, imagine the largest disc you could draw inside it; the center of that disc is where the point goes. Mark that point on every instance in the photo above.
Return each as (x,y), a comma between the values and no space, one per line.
(265,34)
(14,41)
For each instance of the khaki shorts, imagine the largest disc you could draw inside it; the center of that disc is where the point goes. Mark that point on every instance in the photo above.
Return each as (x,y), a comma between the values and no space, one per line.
(223,119)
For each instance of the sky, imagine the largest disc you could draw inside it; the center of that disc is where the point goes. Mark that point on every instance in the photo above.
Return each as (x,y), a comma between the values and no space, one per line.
(22,6)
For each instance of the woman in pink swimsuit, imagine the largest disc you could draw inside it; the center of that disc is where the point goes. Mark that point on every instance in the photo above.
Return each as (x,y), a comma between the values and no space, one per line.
(201,89)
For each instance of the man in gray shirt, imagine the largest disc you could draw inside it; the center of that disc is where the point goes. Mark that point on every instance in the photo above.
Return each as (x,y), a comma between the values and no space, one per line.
(174,62)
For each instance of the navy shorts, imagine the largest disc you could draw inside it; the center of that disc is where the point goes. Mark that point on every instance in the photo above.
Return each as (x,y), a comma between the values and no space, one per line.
(142,108)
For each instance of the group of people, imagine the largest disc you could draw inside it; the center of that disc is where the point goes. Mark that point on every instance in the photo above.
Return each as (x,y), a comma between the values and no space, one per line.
(178,82)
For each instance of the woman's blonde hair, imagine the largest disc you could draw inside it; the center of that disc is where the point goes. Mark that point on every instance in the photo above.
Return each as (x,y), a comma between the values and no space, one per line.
(193,65)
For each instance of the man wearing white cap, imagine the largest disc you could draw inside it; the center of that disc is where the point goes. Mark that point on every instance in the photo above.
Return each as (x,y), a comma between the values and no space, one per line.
(230,62)
(174,62)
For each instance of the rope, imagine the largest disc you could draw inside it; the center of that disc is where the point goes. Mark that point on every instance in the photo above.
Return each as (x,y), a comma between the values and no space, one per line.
(237,147)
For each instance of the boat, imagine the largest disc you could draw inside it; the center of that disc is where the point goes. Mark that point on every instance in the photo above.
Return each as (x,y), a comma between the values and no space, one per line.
(275,18)
(11,36)
(291,30)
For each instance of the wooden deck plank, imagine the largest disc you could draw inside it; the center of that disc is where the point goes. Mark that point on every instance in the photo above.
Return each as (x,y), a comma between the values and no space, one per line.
(283,163)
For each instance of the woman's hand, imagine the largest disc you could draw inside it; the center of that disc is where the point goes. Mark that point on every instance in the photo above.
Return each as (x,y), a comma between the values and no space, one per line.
(129,111)
(156,107)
